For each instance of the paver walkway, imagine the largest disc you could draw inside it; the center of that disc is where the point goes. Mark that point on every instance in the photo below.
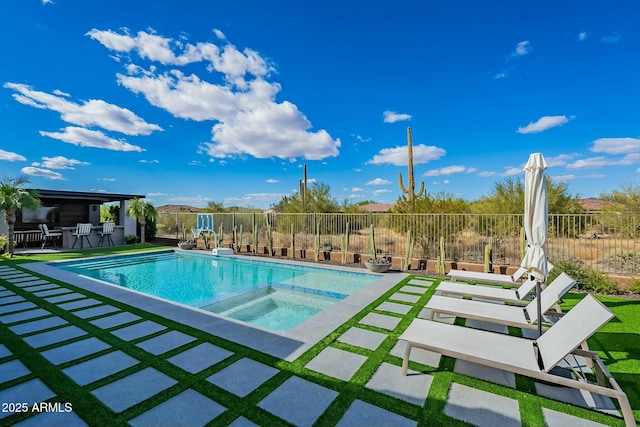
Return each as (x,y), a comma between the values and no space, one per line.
(96,361)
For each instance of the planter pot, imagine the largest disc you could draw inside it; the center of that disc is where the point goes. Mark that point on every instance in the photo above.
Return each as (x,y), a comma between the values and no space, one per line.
(186,245)
(378,265)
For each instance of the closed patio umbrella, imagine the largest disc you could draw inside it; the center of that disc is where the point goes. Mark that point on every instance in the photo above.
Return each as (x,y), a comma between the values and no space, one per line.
(536,217)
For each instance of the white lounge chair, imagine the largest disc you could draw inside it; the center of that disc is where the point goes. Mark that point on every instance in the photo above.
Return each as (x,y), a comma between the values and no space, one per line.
(521,317)
(500,279)
(520,355)
(512,295)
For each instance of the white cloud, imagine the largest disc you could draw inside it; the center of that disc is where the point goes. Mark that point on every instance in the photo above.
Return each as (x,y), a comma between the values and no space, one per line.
(522,48)
(378,181)
(148,161)
(512,171)
(485,174)
(613,38)
(219,34)
(44,173)
(381,191)
(253,199)
(361,139)
(46,2)
(90,138)
(107,179)
(590,163)
(357,190)
(272,181)
(616,145)
(60,162)
(559,160)
(247,119)
(501,75)
(94,112)
(563,178)
(397,156)
(582,36)
(11,157)
(544,123)
(449,170)
(392,117)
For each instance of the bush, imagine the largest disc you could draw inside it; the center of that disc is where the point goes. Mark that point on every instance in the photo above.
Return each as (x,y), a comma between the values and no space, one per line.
(588,279)
(3,243)
(131,239)
(634,288)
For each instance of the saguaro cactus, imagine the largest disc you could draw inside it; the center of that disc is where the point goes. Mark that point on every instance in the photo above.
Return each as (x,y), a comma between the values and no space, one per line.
(488,256)
(303,190)
(440,263)
(406,262)
(411,185)
(372,243)
(345,243)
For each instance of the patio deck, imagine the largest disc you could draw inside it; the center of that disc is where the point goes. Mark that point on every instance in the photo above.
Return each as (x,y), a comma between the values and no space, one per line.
(110,357)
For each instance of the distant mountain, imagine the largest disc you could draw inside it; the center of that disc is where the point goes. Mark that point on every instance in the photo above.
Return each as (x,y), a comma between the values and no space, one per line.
(177,208)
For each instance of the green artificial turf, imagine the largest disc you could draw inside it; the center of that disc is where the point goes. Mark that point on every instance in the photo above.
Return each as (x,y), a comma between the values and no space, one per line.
(617,344)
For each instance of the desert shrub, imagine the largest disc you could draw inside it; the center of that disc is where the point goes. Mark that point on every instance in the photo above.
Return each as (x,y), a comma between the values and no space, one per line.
(626,262)
(588,279)
(3,243)
(634,288)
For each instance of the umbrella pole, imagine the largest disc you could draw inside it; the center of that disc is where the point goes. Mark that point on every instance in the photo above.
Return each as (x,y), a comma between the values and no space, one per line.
(539,307)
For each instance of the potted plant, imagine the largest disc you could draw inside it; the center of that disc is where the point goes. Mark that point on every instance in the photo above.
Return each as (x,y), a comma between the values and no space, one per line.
(183,243)
(375,264)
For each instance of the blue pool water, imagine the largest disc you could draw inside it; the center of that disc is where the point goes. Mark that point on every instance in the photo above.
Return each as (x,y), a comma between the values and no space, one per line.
(274,296)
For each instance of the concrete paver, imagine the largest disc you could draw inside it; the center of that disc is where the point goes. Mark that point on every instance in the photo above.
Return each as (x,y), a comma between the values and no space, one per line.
(298,401)
(4,351)
(362,338)
(337,363)
(115,320)
(11,370)
(165,342)
(243,376)
(381,321)
(28,392)
(481,408)
(394,307)
(37,325)
(200,357)
(100,367)
(558,419)
(138,330)
(74,350)
(12,308)
(24,315)
(187,409)
(133,389)
(66,297)
(95,311)
(58,335)
(364,414)
(413,387)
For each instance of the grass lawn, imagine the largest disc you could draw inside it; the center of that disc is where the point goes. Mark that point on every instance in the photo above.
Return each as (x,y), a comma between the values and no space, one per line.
(617,343)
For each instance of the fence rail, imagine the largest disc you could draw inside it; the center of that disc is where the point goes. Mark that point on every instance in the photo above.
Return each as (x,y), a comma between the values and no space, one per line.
(608,243)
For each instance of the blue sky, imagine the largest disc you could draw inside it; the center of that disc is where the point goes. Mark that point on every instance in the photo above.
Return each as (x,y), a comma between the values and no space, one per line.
(195,101)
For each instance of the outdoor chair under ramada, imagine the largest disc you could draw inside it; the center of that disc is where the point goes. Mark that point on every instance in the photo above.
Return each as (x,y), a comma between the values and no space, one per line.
(48,236)
(520,355)
(509,315)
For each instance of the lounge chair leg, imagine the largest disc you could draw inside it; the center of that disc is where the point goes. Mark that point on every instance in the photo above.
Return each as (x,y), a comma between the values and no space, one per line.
(405,361)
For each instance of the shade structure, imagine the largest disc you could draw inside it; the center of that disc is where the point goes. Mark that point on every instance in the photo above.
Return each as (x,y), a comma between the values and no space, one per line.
(536,222)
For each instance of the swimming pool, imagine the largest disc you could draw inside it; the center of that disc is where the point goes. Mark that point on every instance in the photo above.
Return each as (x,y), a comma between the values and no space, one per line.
(273,296)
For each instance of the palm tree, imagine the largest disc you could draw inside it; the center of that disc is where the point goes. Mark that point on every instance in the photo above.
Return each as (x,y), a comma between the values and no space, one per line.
(141,211)
(14,196)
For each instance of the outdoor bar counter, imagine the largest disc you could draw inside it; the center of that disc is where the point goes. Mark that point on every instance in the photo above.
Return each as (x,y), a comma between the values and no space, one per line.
(68,238)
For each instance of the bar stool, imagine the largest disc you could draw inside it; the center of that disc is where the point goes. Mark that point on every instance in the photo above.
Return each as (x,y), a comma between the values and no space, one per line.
(82,231)
(107,231)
